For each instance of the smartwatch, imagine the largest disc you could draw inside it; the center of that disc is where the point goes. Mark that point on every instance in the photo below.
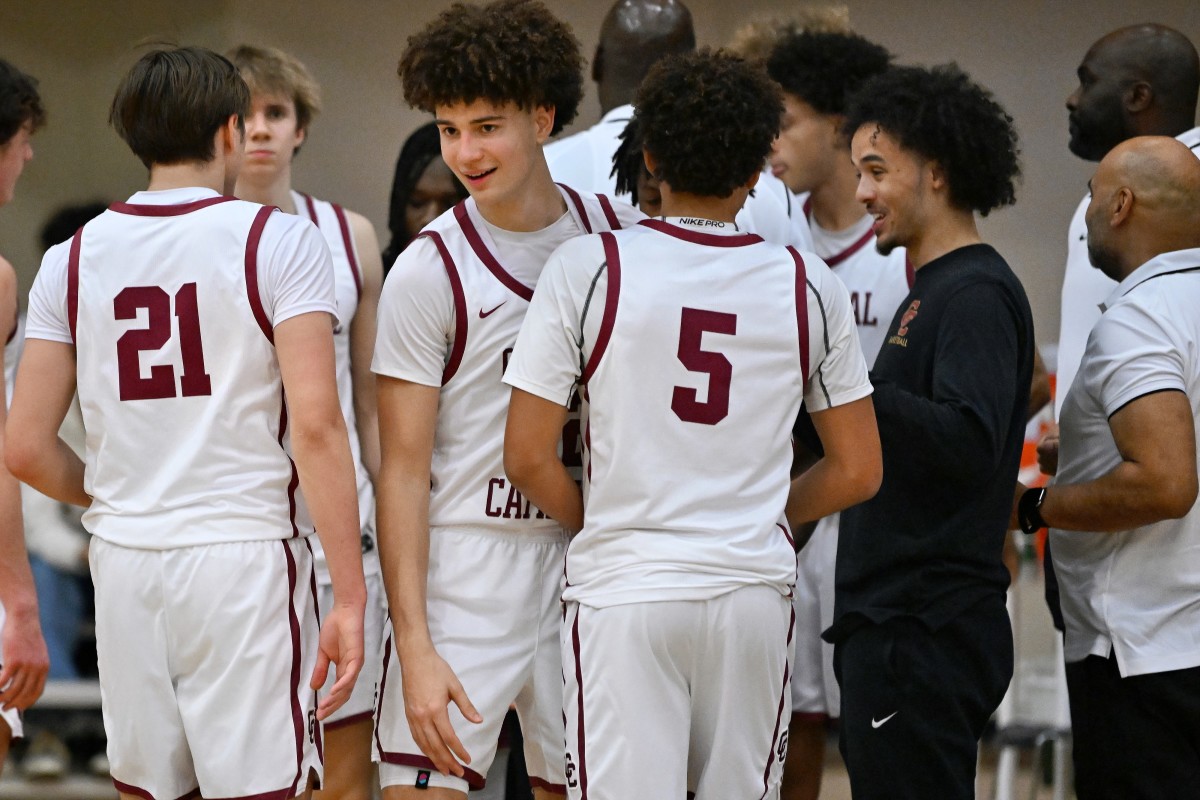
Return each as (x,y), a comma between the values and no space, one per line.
(1029,510)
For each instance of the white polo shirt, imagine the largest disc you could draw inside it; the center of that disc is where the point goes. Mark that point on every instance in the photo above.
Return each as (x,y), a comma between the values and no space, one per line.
(1135,593)
(1084,289)
(583,160)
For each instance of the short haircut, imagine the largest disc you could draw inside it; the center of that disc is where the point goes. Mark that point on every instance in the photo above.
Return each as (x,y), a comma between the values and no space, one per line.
(708,119)
(268,70)
(825,69)
(755,40)
(941,115)
(19,102)
(508,51)
(171,104)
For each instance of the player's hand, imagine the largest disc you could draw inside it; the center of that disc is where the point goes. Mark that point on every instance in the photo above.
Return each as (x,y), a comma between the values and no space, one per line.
(25,659)
(342,643)
(1047,452)
(430,685)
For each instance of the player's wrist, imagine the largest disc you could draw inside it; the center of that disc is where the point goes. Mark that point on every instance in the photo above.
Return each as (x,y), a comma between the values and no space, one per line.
(1029,509)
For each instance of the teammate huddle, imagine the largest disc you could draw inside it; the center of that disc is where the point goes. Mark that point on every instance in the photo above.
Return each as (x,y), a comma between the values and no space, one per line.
(583,495)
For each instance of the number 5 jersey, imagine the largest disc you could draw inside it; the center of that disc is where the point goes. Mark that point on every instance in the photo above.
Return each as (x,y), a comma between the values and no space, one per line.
(171,301)
(695,344)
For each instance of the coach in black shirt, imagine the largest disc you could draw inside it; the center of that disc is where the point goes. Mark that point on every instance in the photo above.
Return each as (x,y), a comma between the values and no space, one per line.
(923,645)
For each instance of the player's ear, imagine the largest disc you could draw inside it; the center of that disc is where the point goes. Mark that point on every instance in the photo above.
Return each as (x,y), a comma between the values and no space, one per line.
(651,163)
(232,135)
(543,121)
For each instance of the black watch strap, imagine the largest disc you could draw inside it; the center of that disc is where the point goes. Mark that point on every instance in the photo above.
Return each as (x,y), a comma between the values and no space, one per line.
(1029,510)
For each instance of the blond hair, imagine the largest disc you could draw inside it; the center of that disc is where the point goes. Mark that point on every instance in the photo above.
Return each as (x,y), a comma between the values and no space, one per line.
(268,70)
(755,40)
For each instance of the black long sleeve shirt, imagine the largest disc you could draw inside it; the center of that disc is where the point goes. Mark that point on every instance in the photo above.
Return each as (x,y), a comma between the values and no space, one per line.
(951,390)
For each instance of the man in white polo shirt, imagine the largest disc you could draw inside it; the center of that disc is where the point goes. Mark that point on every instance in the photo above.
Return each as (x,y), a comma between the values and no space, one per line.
(1125,526)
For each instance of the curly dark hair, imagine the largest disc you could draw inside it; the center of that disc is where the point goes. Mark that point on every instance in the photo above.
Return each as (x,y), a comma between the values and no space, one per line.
(708,119)
(19,102)
(941,115)
(508,51)
(824,69)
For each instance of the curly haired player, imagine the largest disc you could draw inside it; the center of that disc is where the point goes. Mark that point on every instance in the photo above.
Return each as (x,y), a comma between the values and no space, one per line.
(472,569)
(696,344)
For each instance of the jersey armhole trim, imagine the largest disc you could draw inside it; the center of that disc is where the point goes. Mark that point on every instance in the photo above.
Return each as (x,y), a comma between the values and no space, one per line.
(252,289)
(612,258)
(460,306)
(311,207)
(348,242)
(801,312)
(73,282)
(609,213)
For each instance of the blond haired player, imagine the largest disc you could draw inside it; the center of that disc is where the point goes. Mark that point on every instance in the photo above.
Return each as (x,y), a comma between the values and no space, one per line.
(284,99)
(182,316)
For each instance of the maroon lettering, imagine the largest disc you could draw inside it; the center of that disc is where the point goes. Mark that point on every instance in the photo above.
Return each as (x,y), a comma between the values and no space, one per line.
(504,357)
(684,401)
(513,504)
(490,509)
(195,380)
(862,316)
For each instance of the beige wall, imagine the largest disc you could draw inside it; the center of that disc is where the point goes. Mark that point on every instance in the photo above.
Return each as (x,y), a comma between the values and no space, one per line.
(1025,51)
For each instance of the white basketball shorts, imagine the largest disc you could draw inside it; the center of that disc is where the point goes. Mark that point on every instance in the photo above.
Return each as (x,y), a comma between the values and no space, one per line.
(494,608)
(205,657)
(815,691)
(669,698)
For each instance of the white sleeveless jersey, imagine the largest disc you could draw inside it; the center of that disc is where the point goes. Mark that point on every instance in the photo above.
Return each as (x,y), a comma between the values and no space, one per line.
(878,284)
(331,220)
(171,311)
(468,486)
(13,346)
(696,350)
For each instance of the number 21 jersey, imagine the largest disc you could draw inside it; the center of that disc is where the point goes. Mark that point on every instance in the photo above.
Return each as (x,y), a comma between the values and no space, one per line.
(171,301)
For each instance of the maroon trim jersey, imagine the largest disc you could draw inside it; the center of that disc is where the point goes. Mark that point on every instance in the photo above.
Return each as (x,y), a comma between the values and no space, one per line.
(170,301)
(695,344)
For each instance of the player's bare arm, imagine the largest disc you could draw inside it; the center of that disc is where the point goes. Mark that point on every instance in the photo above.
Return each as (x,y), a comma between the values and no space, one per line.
(23,655)
(362,341)
(851,469)
(407,421)
(1156,479)
(32,450)
(531,460)
(321,444)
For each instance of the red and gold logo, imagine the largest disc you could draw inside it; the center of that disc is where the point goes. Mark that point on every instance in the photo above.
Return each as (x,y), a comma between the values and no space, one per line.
(908,317)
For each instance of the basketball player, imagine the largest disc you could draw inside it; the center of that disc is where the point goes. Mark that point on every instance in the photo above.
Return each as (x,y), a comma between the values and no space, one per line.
(473,570)
(284,99)
(818,73)
(182,315)
(695,344)
(23,658)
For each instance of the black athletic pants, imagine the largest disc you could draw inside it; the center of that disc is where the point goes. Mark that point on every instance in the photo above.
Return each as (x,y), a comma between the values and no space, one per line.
(915,702)
(1135,738)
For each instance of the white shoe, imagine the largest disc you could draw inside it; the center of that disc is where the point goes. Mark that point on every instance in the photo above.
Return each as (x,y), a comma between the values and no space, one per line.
(46,759)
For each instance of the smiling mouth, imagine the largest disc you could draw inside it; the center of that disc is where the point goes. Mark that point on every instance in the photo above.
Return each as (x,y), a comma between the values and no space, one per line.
(478,176)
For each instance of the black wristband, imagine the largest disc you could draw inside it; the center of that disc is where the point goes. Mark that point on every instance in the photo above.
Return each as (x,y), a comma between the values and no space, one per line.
(1029,510)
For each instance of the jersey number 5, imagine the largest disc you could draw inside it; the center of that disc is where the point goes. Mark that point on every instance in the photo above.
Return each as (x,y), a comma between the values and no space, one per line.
(195,380)
(692,326)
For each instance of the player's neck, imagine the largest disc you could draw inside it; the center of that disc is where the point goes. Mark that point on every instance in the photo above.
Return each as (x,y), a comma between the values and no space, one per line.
(537,205)
(834,206)
(270,191)
(720,209)
(187,175)
(941,234)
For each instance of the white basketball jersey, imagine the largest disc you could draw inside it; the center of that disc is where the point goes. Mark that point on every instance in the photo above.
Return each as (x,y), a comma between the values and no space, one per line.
(177,377)
(878,284)
(13,346)
(331,221)
(697,349)
(469,487)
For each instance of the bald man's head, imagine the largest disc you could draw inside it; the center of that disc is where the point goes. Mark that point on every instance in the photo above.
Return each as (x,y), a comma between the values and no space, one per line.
(635,34)
(1136,81)
(1145,201)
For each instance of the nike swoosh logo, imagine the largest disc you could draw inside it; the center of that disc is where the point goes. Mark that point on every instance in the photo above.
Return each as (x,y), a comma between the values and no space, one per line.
(484,314)
(878,723)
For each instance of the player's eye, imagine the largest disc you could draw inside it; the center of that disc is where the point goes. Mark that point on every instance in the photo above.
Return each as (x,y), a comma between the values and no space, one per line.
(488,127)
(449,132)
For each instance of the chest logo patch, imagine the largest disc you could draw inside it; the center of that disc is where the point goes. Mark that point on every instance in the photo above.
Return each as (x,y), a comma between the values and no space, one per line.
(909,315)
